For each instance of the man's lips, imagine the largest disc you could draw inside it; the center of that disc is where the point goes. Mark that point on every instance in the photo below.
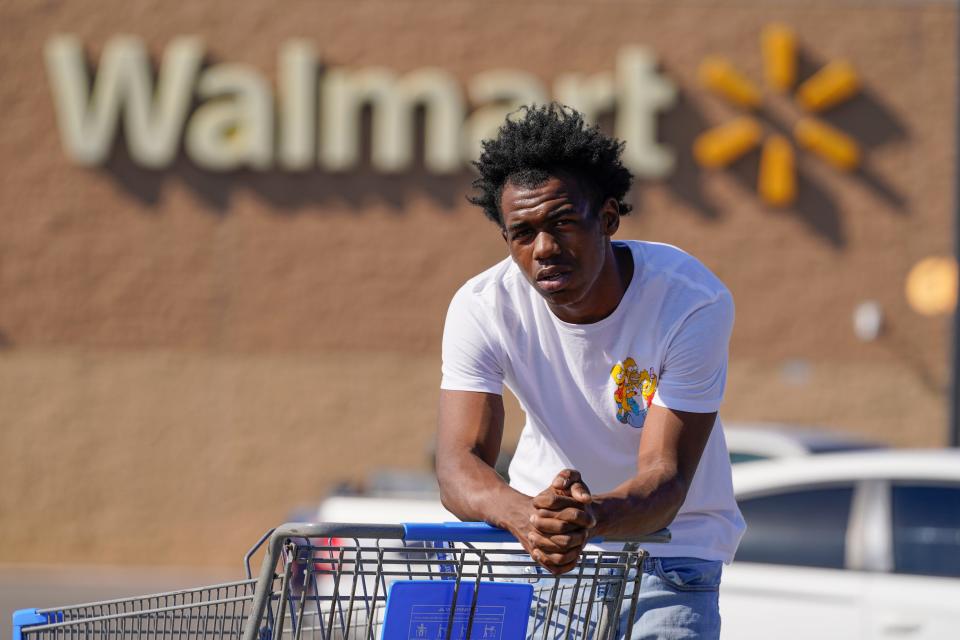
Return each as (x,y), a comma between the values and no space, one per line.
(552,279)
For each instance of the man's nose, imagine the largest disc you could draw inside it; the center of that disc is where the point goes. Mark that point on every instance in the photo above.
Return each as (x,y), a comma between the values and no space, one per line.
(545,246)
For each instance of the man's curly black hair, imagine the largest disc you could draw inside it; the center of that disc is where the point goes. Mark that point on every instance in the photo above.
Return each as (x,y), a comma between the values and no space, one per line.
(546,139)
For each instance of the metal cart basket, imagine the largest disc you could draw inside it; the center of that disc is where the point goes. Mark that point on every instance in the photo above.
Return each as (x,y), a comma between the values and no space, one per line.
(451,581)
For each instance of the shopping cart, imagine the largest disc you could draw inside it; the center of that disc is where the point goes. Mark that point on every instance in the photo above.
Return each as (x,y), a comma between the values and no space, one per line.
(450,581)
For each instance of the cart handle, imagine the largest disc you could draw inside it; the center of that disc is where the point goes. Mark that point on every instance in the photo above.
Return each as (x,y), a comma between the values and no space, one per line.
(446,531)
(483,532)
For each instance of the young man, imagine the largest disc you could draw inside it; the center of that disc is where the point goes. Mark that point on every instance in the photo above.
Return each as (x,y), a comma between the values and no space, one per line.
(617,352)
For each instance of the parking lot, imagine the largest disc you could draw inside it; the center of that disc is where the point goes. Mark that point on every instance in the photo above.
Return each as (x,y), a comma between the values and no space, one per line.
(23,587)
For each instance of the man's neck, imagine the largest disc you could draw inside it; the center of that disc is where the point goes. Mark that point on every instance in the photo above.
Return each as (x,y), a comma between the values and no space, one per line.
(623,257)
(610,287)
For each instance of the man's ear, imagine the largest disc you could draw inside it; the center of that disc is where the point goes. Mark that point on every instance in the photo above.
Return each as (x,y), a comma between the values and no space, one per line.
(610,216)
(503,232)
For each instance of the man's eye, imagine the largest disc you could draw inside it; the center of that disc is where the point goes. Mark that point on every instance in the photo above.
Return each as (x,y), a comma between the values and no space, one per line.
(520,234)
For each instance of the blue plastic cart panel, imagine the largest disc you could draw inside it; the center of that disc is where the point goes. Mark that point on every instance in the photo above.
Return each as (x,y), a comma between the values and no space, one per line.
(420,610)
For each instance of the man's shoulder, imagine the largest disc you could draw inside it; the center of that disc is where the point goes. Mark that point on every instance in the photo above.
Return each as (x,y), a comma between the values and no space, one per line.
(492,285)
(676,268)
(488,301)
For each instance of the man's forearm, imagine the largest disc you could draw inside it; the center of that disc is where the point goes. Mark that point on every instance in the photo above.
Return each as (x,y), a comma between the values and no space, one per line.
(647,502)
(670,451)
(472,490)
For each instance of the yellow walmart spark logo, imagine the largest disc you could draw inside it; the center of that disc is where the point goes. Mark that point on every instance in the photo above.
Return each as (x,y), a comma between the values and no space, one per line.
(833,84)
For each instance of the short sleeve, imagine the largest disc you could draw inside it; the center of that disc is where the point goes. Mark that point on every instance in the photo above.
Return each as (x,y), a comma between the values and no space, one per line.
(470,359)
(694,372)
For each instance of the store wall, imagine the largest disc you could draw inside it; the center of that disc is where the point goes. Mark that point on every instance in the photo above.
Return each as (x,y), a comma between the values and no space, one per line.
(186,355)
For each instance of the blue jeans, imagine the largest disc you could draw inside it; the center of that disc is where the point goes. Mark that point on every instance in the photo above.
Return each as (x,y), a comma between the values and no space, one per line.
(678,600)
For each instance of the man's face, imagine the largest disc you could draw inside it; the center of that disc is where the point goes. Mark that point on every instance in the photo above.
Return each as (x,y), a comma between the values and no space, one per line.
(561,244)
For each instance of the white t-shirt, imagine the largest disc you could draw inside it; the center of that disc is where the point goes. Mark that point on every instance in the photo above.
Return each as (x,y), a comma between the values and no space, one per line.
(586,388)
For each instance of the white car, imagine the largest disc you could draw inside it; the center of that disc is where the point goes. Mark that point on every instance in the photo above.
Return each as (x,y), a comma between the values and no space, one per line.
(378,510)
(848,545)
(858,545)
(749,441)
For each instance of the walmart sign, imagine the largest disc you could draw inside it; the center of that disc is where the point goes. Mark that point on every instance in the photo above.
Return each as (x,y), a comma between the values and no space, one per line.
(227,116)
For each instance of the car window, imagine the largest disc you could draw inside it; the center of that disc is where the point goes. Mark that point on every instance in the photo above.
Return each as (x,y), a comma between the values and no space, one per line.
(737,457)
(926,529)
(805,527)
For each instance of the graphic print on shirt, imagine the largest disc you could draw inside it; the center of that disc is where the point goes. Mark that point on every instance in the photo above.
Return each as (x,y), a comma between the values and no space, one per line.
(634,392)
